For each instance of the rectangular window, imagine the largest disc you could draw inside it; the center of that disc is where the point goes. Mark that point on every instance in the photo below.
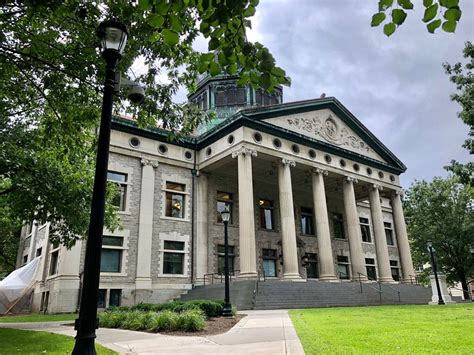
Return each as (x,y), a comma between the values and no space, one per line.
(224,201)
(121,181)
(101,298)
(343,267)
(269,257)
(174,200)
(307,221)
(111,259)
(365,230)
(395,270)
(312,270)
(25,259)
(39,251)
(53,264)
(44,301)
(338,226)
(115,298)
(173,258)
(221,259)
(266,214)
(388,233)
(370,267)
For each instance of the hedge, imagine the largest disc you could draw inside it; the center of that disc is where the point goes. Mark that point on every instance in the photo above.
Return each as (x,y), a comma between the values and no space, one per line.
(210,308)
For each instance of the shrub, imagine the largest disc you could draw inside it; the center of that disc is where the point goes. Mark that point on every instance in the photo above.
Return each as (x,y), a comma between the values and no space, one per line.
(191,321)
(166,320)
(133,320)
(112,319)
(210,308)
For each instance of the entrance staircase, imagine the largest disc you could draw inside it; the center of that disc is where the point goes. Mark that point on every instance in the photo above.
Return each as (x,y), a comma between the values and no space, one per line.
(277,294)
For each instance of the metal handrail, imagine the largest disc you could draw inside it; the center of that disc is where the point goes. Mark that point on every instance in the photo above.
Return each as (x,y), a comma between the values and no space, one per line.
(379,290)
(394,289)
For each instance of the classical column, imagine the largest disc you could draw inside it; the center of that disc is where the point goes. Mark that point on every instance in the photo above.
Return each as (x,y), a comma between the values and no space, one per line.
(381,248)
(353,229)
(145,226)
(326,260)
(248,256)
(402,237)
(202,226)
(287,218)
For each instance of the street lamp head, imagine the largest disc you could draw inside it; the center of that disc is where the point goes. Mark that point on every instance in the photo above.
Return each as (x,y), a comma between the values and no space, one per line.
(429,244)
(113,36)
(225,215)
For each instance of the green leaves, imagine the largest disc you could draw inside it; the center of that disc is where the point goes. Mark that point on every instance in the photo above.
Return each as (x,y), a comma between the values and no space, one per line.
(452,14)
(377,19)
(430,13)
(170,37)
(389,29)
(156,20)
(398,16)
(432,26)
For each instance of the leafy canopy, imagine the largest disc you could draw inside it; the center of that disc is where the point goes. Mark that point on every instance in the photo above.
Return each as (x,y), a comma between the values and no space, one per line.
(50,98)
(442,211)
(444,13)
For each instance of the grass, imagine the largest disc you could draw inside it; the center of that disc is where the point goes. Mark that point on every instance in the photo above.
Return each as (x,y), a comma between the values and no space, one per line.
(38,318)
(421,329)
(32,342)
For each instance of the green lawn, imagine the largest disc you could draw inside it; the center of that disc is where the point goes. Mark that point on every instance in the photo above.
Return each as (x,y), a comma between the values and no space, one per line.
(31,342)
(386,329)
(38,318)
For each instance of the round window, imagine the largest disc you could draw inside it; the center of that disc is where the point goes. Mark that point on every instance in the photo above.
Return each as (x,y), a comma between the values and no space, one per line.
(328,158)
(208,151)
(134,142)
(312,154)
(369,171)
(277,143)
(163,149)
(356,167)
(381,175)
(257,137)
(392,178)
(295,149)
(342,163)
(230,139)
(188,155)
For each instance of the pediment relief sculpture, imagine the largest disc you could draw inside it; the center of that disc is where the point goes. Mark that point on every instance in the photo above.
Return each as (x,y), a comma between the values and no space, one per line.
(331,131)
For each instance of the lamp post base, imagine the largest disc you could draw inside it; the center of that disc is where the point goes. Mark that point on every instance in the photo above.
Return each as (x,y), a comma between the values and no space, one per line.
(227,310)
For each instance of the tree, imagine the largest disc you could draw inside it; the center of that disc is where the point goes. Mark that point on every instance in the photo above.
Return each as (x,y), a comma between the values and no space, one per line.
(443,211)
(444,13)
(51,75)
(464,81)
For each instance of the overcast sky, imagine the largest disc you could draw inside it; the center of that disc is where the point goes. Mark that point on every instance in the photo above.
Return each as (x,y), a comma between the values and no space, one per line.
(396,86)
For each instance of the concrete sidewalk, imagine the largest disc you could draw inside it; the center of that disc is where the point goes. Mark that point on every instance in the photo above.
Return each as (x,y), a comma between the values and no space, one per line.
(261,332)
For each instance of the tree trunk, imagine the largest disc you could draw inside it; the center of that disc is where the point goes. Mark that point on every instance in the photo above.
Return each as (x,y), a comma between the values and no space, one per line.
(465,291)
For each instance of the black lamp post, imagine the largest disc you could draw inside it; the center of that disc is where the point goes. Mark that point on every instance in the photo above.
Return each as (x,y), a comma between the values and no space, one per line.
(227,310)
(113,37)
(435,272)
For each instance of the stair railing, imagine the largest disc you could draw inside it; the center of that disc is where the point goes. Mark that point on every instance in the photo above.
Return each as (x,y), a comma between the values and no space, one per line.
(394,289)
(379,289)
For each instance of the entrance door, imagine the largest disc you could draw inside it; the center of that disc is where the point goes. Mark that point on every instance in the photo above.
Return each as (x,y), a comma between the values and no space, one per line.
(269,262)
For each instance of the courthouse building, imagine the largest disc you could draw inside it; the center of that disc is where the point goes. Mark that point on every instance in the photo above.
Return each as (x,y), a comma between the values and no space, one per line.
(313,194)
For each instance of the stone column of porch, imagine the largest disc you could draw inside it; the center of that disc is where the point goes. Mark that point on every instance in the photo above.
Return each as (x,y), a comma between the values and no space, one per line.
(287,218)
(325,256)
(248,256)
(202,226)
(383,260)
(402,237)
(145,229)
(353,230)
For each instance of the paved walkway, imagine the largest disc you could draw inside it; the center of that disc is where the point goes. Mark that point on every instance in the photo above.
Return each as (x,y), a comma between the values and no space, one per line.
(261,332)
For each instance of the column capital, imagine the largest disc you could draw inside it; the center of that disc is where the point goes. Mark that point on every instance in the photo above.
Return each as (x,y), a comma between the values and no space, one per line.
(398,193)
(317,171)
(290,163)
(243,150)
(350,179)
(377,187)
(152,163)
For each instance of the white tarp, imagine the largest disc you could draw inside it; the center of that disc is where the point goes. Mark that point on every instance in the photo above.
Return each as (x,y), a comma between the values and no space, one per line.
(14,286)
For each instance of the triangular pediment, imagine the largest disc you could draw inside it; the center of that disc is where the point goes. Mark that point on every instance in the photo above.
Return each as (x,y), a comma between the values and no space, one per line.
(324,125)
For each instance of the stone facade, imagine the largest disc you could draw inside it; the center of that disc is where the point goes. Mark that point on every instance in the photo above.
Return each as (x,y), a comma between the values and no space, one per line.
(303,194)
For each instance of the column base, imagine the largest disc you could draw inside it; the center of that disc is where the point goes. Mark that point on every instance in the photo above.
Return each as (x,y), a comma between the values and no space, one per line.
(143,283)
(292,277)
(247,276)
(328,278)
(362,279)
(387,280)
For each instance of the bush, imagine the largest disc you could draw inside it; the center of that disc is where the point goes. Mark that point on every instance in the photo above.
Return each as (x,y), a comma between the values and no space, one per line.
(210,308)
(191,321)
(112,319)
(166,320)
(134,320)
